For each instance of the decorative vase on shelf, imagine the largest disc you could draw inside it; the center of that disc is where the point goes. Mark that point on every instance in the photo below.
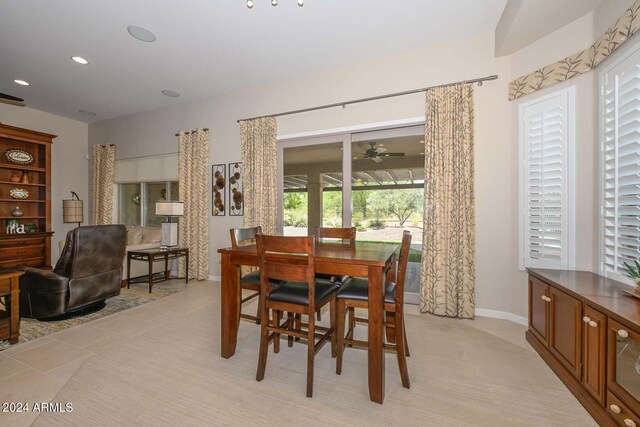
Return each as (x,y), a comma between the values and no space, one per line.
(17,212)
(25,178)
(15,177)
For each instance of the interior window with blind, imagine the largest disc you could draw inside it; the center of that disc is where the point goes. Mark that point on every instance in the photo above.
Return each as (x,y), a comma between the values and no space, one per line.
(620,145)
(546,195)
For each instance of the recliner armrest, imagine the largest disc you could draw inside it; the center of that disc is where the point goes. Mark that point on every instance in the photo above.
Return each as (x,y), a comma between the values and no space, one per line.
(41,281)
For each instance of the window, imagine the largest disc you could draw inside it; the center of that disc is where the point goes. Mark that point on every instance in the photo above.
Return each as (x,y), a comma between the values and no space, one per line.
(546,195)
(620,165)
(137,202)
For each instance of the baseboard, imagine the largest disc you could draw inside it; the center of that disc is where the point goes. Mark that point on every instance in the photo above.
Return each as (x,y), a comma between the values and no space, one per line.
(502,315)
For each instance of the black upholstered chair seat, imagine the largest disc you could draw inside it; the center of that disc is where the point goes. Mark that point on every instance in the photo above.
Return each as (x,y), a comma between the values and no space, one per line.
(358,289)
(331,278)
(253,278)
(298,293)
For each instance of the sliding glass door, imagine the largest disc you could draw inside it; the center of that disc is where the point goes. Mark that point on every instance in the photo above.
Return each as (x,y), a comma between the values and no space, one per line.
(384,169)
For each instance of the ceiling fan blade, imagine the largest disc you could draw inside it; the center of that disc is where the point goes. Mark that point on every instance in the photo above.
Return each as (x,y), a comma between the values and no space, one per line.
(377,159)
(393,154)
(381,149)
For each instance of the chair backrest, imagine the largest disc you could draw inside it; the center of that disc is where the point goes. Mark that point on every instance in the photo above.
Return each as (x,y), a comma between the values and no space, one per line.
(244,236)
(348,235)
(286,258)
(92,260)
(92,250)
(405,248)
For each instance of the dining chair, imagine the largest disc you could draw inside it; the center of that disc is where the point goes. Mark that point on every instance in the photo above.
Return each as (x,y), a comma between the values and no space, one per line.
(292,260)
(355,293)
(251,280)
(346,236)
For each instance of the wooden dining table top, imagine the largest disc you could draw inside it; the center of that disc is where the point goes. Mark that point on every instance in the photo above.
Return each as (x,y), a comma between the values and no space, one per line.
(362,253)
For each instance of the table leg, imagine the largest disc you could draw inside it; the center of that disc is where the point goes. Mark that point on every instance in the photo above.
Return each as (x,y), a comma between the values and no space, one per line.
(230,297)
(128,270)
(13,304)
(166,266)
(376,334)
(150,273)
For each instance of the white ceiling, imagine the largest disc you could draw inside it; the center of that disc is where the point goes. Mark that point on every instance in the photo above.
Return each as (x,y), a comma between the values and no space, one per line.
(204,48)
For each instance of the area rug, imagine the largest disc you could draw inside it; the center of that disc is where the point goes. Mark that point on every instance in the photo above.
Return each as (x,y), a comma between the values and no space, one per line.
(138,294)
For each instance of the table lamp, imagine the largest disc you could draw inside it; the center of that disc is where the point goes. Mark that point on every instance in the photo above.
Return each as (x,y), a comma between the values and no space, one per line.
(169,229)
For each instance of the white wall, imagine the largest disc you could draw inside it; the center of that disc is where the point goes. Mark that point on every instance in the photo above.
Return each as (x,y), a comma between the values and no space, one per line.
(68,161)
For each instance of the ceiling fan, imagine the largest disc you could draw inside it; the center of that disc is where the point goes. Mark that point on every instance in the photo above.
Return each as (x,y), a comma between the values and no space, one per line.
(11,100)
(377,154)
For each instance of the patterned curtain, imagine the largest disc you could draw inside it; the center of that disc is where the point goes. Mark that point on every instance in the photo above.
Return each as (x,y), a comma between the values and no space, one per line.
(193,231)
(447,282)
(260,171)
(104,171)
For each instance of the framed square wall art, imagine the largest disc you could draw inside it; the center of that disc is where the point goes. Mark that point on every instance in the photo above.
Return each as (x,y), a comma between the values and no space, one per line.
(236,196)
(218,186)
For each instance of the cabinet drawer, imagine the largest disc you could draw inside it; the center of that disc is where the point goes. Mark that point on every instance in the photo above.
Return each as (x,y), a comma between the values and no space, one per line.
(21,241)
(29,262)
(620,412)
(21,252)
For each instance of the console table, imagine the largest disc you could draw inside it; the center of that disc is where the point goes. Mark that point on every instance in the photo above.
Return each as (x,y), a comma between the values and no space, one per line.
(155,254)
(10,317)
(588,331)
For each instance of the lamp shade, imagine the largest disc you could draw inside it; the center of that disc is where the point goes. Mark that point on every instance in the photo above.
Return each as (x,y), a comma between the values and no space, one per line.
(72,211)
(170,208)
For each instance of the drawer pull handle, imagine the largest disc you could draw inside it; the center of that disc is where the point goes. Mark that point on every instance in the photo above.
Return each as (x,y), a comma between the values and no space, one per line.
(586,319)
(615,409)
(593,324)
(629,422)
(623,334)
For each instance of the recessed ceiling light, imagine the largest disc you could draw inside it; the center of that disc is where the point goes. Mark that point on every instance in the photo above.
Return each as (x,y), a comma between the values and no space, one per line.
(87,112)
(420,142)
(170,93)
(21,82)
(421,153)
(141,34)
(80,60)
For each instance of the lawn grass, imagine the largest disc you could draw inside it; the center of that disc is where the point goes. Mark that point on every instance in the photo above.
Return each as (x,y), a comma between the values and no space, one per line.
(414,254)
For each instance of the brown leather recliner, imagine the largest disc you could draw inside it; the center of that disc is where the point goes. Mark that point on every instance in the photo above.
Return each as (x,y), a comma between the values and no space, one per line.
(88,272)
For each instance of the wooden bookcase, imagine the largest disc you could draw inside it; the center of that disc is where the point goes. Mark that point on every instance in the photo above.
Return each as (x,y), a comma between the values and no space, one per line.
(31,248)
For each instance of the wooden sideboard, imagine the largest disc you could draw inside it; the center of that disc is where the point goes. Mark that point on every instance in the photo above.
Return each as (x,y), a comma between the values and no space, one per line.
(33,247)
(588,331)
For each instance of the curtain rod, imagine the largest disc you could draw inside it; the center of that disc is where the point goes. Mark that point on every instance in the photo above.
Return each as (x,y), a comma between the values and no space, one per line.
(192,131)
(374,98)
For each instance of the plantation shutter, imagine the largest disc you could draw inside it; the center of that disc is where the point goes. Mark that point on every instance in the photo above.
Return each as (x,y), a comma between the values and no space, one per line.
(545,213)
(620,139)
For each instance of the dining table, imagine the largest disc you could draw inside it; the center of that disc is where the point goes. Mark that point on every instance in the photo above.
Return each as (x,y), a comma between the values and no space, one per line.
(364,259)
